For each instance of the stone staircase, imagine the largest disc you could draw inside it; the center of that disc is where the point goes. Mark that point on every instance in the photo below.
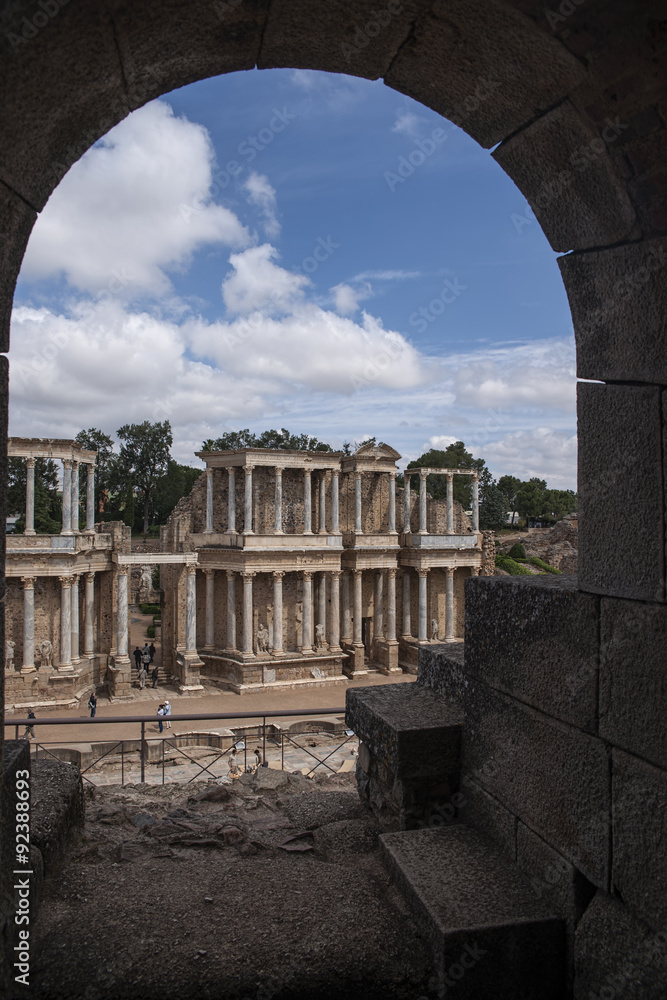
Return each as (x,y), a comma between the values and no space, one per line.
(489,935)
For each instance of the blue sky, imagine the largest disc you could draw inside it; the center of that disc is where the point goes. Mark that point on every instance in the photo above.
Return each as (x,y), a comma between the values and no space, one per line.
(287,248)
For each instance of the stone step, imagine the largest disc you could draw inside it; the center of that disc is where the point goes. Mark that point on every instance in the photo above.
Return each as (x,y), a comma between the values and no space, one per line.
(489,934)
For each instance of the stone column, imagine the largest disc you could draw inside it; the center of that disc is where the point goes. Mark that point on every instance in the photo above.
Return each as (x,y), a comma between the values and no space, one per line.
(335,520)
(307,641)
(278,612)
(88,614)
(378,630)
(208,530)
(29,497)
(90,499)
(191,608)
(423,605)
(357,607)
(75,498)
(450,505)
(247,525)
(347,617)
(247,649)
(65,623)
(322,527)
(475,504)
(334,627)
(406,503)
(322,602)
(391,605)
(122,617)
(75,619)
(449,604)
(231,611)
(357,504)
(422,503)
(307,504)
(67,497)
(28,623)
(392,503)
(278,522)
(231,501)
(210,609)
(407,624)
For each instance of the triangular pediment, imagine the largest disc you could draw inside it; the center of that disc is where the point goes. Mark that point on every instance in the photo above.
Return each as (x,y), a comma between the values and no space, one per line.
(377,451)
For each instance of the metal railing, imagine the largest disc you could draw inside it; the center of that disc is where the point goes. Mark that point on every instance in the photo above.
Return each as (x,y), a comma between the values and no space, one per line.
(154,751)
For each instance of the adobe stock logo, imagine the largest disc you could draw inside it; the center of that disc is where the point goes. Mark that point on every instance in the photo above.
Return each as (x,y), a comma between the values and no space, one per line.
(408,164)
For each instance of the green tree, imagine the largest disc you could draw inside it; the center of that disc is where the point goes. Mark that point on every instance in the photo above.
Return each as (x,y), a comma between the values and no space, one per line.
(559,503)
(283,439)
(105,466)
(177,482)
(454,456)
(531,498)
(510,485)
(48,499)
(492,509)
(143,460)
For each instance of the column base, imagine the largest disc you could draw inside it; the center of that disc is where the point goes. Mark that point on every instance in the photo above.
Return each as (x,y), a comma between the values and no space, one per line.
(66,532)
(209,649)
(29,531)
(335,649)
(28,668)
(247,656)
(88,531)
(208,531)
(278,653)
(65,668)
(306,650)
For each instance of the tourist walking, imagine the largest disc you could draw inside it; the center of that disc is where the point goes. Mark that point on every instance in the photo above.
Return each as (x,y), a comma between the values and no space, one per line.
(30,730)
(154,676)
(142,676)
(160,714)
(167,713)
(146,655)
(258,758)
(137,656)
(92,704)
(151,650)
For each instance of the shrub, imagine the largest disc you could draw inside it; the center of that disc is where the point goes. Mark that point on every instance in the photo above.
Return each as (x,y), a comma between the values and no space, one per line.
(517,551)
(150,631)
(534,561)
(512,567)
(157,619)
(149,609)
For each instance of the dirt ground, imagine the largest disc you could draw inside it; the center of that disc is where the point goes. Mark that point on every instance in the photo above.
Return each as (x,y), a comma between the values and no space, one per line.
(267,889)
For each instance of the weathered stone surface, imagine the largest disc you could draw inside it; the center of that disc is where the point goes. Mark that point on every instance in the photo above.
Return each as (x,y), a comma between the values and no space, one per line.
(409,729)
(617,955)
(464,892)
(441,670)
(484,813)
(633,681)
(639,816)
(16,222)
(620,485)
(313,809)
(223,37)
(563,168)
(552,776)
(618,299)
(361,39)
(57,806)
(468,60)
(346,836)
(75,94)
(536,638)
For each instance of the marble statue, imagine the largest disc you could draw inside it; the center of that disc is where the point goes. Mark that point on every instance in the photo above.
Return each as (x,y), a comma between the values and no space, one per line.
(434,629)
(319,636)
(262,639)
(9,654)
(146,578)
(45,652)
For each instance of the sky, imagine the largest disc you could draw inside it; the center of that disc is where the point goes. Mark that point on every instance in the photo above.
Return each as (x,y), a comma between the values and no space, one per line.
(284,248)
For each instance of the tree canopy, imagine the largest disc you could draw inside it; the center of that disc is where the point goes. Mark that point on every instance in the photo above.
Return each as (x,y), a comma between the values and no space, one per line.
(104,467)
(143,460)
(454,456)
(283,439)
(48,500)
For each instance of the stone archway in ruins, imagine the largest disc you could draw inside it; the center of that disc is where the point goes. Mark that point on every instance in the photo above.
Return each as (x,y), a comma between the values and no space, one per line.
(571,97)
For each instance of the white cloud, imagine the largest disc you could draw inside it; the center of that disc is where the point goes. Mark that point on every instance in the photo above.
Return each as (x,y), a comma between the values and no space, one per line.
(255,282)
(347,299)
(408,123)
(439,443)
(543,452)
(540,375)
(263,196)
(137,204)
(386,275)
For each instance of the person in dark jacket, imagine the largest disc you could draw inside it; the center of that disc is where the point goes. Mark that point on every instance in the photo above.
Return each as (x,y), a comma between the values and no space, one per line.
(154,676)
(30,730)
(137,656)
(92,704)
(151,650)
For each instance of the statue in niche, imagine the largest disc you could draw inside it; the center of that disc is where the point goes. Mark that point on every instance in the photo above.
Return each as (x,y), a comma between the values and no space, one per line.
(320,641)
(269,623)
(299,625)
(262,639)
(9,654)
(146,582)
(45,652)
(434,630)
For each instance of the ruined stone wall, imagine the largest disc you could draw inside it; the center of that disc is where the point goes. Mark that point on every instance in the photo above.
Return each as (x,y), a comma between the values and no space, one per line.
(488,553)
(436,514)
